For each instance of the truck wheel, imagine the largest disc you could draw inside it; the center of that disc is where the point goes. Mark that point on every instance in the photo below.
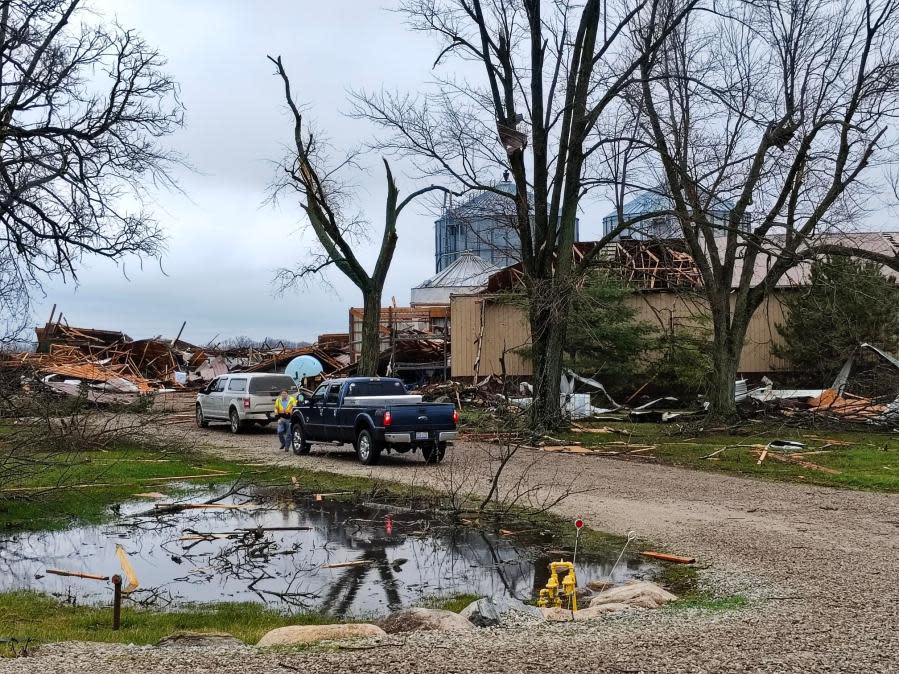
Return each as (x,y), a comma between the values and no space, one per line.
(434,453)
(236,424)
(366,449)
(298,440)
(201,420)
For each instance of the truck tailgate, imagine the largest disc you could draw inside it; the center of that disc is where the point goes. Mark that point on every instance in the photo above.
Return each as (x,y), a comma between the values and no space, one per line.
(422,416)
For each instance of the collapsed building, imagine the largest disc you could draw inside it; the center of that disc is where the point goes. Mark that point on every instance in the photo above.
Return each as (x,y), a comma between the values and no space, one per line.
(109,366)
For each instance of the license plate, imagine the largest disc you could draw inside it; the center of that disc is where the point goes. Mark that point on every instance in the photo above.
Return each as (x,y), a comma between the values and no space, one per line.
(421,436)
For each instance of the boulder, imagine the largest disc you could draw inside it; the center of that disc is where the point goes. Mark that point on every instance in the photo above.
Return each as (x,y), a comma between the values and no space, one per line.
(491,611)
(304,634)
(594,612)
(599,585)
(424,620)
(583,595)
(642,594)
(556,615)
(199,640)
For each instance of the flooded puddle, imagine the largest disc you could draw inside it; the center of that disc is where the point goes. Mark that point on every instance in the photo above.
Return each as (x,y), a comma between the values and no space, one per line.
(332,556)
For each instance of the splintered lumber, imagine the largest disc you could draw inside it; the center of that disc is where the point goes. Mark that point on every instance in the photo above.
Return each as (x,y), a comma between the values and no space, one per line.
(665,557)
(77,574)
(805,464)
(601,429)
(762,457)
(567,449)
(726,447)
(319,497)
(344,565)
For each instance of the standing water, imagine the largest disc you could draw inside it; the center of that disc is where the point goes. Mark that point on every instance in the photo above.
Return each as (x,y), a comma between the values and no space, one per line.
(332,556)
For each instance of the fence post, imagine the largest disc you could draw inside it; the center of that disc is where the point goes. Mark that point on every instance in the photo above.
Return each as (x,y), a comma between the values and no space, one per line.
(116,601)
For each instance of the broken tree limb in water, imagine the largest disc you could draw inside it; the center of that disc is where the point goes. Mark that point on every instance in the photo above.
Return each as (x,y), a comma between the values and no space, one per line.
(77,574)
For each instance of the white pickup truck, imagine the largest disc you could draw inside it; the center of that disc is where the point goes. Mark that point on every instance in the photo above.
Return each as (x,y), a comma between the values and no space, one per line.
(242,399)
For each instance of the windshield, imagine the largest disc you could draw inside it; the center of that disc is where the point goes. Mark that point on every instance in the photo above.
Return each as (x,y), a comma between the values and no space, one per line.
(272,385)
(386,387)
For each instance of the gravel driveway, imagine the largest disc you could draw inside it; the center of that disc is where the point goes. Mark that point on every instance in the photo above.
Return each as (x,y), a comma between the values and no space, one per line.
(820,565)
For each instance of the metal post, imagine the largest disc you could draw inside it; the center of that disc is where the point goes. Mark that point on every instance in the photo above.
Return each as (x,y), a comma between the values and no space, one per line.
(116,601)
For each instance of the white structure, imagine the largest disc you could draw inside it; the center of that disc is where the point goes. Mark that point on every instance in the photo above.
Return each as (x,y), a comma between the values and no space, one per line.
(466,275)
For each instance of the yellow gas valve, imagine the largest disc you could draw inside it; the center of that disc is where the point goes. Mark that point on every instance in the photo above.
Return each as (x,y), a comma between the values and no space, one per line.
(551,596)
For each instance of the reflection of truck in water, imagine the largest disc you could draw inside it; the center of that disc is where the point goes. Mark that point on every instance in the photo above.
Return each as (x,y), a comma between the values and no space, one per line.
(374,414)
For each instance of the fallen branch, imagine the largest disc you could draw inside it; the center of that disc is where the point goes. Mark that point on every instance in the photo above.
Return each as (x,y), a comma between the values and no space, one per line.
(77,574)
(665,557)
(343,565)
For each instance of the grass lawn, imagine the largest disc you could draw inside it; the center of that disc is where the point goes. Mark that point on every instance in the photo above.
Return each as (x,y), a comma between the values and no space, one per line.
(861,460)
(96,480)
(34,617)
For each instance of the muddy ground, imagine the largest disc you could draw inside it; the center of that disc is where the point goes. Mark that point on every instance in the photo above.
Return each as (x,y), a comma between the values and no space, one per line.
(818,564)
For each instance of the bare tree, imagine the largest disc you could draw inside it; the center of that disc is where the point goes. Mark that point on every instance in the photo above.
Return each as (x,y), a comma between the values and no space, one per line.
(15,303)
(552,77)
(766,119)
(325,201)
(82,110)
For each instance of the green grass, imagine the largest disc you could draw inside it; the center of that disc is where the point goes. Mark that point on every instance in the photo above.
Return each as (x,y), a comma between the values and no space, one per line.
(868,461)
(95,480)
(708,602)
(41,619)
(454,603)
(98,480)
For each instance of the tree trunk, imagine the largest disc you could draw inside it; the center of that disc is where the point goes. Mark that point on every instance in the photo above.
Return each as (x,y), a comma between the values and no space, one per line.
(371,338)
(726,349)
(548,332)
(721,394)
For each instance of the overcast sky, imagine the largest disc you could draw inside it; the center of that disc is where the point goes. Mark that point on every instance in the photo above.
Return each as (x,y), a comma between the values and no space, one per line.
(224,242)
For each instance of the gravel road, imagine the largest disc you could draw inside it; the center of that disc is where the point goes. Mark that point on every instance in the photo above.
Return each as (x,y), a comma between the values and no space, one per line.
(820,566)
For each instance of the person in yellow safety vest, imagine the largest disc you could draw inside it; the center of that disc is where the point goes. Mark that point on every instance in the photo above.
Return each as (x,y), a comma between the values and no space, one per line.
(284,405)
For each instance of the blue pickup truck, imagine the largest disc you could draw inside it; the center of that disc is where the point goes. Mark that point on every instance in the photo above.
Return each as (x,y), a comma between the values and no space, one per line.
(373,414)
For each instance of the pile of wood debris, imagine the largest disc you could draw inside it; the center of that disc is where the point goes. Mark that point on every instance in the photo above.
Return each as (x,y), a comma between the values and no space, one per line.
(114,368)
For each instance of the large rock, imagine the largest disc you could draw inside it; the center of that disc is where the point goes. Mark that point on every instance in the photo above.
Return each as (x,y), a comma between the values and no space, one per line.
(557,615)
(304,634)
(424,620)
(599,585)
(199,640)
(642,594)
(594,612)
(491,611)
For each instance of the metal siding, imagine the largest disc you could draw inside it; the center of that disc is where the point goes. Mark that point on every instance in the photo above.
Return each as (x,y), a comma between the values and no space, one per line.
(465,312)
(506,326)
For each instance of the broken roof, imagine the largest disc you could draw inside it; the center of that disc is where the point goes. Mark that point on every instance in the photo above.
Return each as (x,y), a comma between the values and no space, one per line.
(660,264)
